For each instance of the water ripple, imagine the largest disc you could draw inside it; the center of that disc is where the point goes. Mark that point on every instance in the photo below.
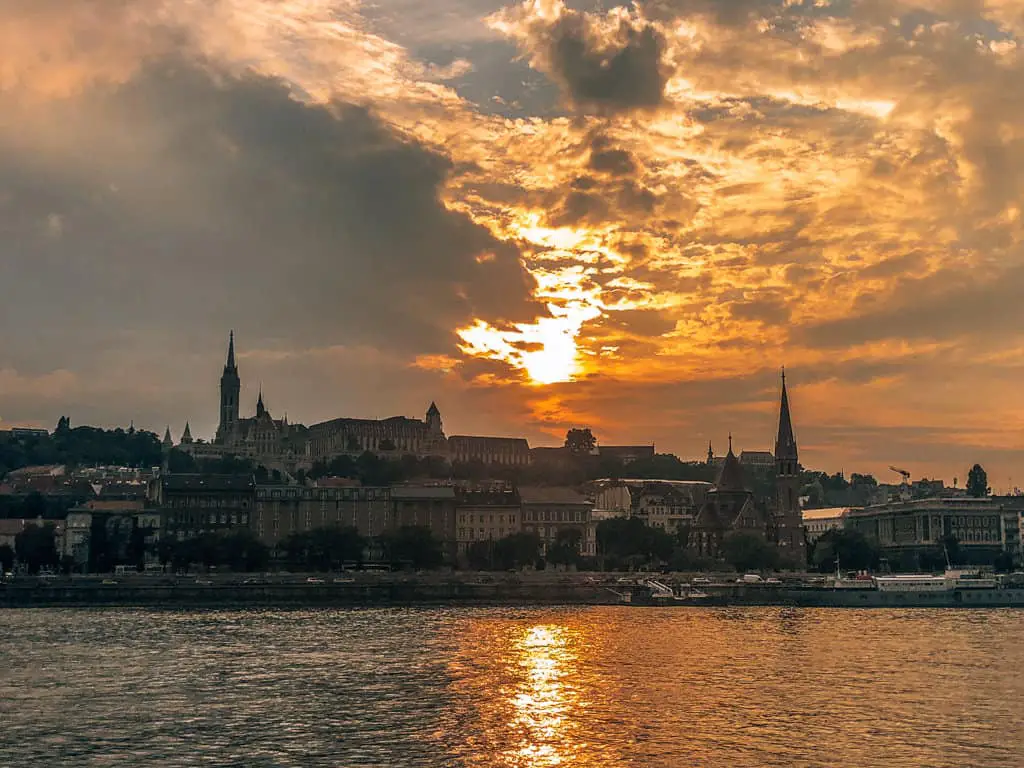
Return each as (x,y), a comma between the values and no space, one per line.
(512,688)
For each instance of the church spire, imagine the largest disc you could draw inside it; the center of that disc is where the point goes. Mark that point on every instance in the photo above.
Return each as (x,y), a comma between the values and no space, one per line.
(168,440)
(711,454)
(785,443)
(260,408)
(186,436)
(230,365)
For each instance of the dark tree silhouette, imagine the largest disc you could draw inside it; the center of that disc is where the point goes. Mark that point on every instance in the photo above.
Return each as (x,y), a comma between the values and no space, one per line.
(977,482)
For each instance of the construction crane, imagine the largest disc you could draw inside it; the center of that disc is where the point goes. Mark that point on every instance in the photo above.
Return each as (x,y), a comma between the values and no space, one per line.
(906,475)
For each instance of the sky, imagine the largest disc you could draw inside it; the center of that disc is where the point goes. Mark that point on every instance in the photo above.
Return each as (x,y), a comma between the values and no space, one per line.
(541,214)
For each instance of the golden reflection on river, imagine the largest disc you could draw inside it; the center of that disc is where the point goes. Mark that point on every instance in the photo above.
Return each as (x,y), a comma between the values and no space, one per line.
(546,701)
(611,687)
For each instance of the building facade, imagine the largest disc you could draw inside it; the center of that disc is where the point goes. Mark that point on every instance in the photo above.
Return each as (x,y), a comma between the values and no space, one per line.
(546,510)
(192,505)
(486,515)
(281,510)
(818,522)
(983,528)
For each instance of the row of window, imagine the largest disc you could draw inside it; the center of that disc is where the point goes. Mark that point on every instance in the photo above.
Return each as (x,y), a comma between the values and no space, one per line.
(556,515)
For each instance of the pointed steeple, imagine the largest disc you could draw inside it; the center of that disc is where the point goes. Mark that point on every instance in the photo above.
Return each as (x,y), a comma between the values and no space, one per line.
(785,443)
(731,478)
(711,454)
(186,436)
(230,364)
(260,408)
(168,441)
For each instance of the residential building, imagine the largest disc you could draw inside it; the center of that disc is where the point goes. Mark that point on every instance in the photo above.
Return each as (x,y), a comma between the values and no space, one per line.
(282,510)
(547,510)
(486,514)
(196,504)
(664,505)
(428,506)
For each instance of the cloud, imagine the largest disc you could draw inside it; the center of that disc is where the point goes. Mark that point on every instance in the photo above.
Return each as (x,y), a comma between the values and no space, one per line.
(316,221)
(609,64)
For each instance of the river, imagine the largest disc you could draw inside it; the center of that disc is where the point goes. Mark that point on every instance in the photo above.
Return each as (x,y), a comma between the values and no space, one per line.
(589,687)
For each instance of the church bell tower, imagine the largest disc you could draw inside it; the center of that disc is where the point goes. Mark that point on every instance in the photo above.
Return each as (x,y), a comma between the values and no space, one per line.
(230,391)
(788,516)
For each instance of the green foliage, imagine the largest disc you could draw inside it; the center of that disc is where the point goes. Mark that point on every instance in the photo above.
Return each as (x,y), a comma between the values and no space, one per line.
(238,550)
(863,480)
(580,440)
(854,550)
(36,547)
(629,543)
(6,558)
(179,462)
(511,553)
(414,545)
(746,551)
(81,446)
(977,482)
(323,549)
(565,549)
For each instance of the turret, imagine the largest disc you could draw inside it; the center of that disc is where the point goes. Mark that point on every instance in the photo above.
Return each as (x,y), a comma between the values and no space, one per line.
(186,436)
(168,442)
(434,419)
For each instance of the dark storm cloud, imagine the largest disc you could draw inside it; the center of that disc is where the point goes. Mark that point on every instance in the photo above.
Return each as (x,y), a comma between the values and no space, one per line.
(616,162)
(611,65)
(207,200)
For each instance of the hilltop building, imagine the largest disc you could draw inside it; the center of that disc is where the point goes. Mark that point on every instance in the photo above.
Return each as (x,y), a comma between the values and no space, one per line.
(279,444)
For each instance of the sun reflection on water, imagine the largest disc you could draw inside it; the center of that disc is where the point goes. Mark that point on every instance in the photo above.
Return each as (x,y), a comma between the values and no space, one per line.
(545,701)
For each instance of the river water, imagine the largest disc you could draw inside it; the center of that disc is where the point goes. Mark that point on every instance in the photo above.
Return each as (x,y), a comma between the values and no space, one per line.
(601,687)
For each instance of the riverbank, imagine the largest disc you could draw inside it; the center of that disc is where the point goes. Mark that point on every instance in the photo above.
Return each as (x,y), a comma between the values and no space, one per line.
(426,590)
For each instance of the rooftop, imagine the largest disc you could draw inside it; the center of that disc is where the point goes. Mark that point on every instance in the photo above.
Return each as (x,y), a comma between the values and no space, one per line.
(207,482)
(551,495)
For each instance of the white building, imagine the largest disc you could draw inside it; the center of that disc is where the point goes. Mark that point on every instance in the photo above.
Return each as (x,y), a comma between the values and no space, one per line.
(817,522)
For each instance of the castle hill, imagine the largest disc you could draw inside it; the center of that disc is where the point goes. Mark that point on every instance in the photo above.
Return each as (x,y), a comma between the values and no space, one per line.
(268,510)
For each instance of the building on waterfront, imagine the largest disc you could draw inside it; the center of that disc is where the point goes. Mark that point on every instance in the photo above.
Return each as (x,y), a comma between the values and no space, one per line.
(427,506)
(486,514)
(731,506)
(192,505)
(984,528)
(668,504)
(546,510)
(786,523)
(818,522)
(281,510)
(671,507)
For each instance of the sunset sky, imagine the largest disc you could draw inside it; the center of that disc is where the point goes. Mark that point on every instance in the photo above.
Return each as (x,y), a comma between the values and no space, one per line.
(540,214)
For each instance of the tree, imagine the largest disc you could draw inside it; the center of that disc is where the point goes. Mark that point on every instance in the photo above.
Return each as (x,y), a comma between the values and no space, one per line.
(977,482)
(516,551)
(746,551)
(415,545)
(580,440)
(565,550)
(36,547)
(853,549)
(179,462)
(6,558)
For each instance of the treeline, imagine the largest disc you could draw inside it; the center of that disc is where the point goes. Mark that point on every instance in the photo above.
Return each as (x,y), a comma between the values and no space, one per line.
(81,446)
